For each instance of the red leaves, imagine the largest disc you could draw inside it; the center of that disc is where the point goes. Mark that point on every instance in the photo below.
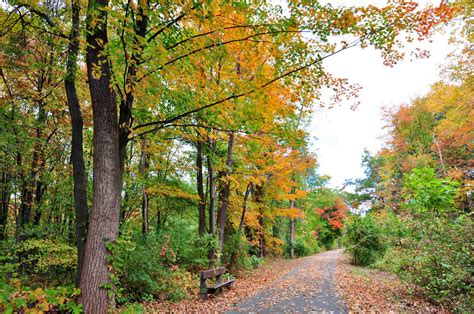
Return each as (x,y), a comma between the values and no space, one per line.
(334,214)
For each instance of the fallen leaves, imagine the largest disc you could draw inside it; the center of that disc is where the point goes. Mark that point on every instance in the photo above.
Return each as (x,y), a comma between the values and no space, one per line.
(369,290)
(312,283)
(248,283)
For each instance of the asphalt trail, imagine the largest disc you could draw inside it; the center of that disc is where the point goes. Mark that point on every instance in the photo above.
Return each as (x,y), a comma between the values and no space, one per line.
(309,287)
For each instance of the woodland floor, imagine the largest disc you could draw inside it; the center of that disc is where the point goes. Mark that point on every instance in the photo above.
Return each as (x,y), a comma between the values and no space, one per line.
(324,282)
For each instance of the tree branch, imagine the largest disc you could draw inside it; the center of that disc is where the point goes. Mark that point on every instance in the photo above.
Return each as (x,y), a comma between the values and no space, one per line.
(168,25)
(43,16)
(164,123)
(218,44)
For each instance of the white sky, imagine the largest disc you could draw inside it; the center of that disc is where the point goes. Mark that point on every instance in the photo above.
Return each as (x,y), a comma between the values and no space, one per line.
(342,134)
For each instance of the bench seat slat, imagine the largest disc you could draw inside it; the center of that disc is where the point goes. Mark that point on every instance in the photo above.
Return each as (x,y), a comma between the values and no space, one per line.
(206,274)
(220,285)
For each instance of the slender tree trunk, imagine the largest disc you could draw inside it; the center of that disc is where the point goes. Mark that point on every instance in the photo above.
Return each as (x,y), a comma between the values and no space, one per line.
(77,141)
(5,201)
(224,198)
(104,219)
(40,189)
(145,211)
(212,197)
(29,183)
(125,113)
(244,206)
(292,238)
(24,216)
(145,204)
(292,227)
(292,233)
(440,154)
(233,258)
(261,239)
(200,189)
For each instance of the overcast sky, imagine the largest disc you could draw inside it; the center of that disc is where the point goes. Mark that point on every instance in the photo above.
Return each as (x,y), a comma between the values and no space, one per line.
(342,134)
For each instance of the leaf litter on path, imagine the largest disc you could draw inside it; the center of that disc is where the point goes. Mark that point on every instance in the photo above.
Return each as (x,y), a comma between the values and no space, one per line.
(368,290)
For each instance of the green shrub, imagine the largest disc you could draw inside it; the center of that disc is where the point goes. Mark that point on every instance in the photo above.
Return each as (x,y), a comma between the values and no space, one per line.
(146,268)
(363,240)
(438,256)
(391,261)
(17,299)
(426,193)
(256,261)
(46,259)
(236,251)
(301,248)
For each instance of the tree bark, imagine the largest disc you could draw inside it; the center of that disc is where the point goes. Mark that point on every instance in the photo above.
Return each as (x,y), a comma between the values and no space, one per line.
(244,206)
(104,219)
(233,258)
(292,233)
(5,201)
(77,141)
(440,154)
(145,204)
(125,113)
(29,182)
(224,198)
(212,196)
(40,189)
(200,189)
(292,225)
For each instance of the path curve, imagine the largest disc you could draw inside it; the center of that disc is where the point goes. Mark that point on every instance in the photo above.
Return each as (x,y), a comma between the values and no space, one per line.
(309,287)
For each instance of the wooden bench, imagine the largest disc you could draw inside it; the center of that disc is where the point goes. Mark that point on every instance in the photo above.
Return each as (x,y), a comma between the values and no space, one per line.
(213,273)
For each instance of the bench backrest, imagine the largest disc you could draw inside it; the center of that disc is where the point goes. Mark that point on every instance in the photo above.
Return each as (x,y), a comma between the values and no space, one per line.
(211,273)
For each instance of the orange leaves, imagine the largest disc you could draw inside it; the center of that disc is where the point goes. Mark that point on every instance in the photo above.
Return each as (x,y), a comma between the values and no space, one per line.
(291,213)
(434,16)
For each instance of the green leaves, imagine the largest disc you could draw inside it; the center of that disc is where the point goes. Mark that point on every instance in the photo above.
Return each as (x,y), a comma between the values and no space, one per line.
(424,193)
(363,240)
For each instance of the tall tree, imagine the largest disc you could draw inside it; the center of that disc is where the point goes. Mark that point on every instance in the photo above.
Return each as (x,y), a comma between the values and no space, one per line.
(104,219)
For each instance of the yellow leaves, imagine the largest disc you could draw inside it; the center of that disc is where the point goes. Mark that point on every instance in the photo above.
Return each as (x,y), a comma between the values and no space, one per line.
(29,2)
(170,191)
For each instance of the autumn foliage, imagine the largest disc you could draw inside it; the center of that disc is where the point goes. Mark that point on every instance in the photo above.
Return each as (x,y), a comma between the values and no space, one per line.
(182,120)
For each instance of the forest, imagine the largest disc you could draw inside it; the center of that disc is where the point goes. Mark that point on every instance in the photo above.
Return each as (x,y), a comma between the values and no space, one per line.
(143,142)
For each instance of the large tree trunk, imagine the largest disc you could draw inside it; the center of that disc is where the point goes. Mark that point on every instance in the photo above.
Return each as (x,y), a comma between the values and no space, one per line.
(104,219)
(224,198)
(200,189)
(77,145)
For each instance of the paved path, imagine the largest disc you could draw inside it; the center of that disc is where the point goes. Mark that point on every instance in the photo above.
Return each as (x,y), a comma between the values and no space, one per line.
(309,287)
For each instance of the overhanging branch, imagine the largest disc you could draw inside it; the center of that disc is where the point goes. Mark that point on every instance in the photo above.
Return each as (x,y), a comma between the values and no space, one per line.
(166,122)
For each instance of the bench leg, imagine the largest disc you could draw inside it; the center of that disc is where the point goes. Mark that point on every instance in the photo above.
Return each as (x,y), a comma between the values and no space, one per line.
(203,291)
